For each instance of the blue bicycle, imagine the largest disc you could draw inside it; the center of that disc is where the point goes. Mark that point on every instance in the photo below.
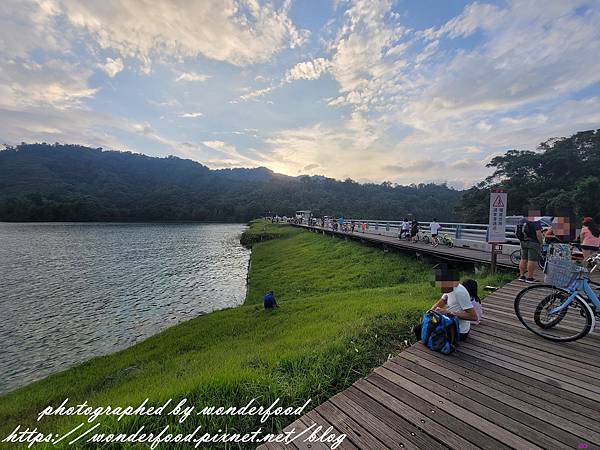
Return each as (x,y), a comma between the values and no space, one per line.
(566,307)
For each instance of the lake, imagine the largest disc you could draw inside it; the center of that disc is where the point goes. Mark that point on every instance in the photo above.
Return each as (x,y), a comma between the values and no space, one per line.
(72,291)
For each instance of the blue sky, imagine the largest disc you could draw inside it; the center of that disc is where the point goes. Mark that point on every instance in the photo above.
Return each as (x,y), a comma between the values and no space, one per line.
(404,91)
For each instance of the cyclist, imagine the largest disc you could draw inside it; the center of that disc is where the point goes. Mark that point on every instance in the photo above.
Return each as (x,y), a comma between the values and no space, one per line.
(434,227)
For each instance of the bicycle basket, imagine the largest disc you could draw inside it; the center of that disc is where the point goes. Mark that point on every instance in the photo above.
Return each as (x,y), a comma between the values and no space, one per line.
(561,273)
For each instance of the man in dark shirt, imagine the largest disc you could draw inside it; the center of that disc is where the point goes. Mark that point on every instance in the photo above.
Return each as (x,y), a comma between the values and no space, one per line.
(531,246)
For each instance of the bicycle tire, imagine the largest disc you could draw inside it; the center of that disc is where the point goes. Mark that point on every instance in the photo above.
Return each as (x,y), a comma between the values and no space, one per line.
(515,257)
(584,310)
(542,262)
(450,244)
(426,239)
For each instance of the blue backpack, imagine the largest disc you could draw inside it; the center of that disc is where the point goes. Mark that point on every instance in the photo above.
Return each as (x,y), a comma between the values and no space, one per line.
(439,332)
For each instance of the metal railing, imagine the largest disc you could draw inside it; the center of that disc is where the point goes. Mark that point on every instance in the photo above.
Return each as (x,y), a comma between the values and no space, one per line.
(464,234)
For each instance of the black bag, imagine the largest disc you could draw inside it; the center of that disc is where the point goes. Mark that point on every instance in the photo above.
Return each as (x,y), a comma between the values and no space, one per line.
(526,232)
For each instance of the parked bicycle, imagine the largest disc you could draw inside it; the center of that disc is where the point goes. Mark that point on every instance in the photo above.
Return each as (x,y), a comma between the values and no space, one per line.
(515,257)
(566,306)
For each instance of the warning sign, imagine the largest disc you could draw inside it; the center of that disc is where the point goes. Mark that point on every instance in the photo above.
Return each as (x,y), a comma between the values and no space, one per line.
(497,224)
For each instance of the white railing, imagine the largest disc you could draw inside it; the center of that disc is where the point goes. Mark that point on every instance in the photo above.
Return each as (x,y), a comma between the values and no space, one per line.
(473,235)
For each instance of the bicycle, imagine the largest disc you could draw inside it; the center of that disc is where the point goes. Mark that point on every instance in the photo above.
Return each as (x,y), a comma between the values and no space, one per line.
(566,308)
(443,239)
(515,257)
(446,240)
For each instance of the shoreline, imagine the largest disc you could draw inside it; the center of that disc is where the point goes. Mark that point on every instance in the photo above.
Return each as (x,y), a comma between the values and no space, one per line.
(339,318)
(121,299)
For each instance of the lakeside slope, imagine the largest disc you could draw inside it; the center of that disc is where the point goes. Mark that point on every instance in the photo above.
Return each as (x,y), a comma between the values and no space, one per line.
(344,308)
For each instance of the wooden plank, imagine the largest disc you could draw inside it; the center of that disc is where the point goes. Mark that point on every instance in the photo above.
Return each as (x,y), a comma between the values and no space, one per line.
(571,427)
(347,444)
(495,433)
(358,435)
(574,408)
(432,427)
(508,417)
(441,416)
(519,334)
(537,367)
(548,378)
(409,432)
(373,425)
(574,369)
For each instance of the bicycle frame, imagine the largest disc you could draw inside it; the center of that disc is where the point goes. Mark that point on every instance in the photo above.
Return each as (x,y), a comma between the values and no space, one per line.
(579,285)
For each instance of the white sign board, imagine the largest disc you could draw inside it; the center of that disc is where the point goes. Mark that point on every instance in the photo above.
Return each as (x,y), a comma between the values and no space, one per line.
(497,228)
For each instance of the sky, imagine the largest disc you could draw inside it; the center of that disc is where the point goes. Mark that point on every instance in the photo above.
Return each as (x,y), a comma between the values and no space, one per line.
(401,91)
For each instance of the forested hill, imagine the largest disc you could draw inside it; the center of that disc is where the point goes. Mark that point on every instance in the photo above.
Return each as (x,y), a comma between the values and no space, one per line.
(41,182)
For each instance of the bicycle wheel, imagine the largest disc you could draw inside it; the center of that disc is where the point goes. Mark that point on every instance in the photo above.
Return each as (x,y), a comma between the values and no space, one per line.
(515,257)
(425,239)
(539,310)
(541,262)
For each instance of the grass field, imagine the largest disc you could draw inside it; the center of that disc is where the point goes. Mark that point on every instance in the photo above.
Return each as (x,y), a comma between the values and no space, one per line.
(344,308)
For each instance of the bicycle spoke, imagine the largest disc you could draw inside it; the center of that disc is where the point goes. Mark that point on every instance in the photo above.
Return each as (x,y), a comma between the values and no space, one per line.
(549,312)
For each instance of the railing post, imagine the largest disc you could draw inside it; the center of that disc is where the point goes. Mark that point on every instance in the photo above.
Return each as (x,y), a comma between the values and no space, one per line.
(458,230)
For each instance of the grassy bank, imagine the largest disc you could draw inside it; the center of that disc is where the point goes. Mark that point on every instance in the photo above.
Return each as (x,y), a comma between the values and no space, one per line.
(344,308)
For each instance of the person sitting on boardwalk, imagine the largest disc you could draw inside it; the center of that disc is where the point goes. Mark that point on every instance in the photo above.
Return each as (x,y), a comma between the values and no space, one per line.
(472,288)
(455,300)
(269,301)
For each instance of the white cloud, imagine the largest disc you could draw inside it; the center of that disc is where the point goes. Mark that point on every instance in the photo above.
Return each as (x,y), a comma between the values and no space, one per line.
(308,70)
(192,76)
(112,66)
(239,32)
(190,115)
(57,84)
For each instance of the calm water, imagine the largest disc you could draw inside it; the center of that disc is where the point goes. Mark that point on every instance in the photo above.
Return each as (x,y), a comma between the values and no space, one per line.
(69,292)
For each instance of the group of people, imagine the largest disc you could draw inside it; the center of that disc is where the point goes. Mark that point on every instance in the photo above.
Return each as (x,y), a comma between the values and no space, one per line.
(409,229)
(532,238)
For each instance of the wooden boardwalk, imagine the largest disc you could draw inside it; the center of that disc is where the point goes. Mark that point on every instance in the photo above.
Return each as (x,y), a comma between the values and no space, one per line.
(455,253)
(503,388)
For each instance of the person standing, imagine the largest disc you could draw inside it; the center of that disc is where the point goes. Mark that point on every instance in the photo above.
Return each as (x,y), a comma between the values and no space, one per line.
(414,230)
(589,237)
(529,232)
(434,227)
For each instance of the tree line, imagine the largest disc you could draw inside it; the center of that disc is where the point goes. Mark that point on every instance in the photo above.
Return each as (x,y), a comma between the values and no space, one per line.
(56,182)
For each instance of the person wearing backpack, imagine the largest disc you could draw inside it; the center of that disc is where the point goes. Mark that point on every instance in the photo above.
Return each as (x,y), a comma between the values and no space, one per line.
(529,233)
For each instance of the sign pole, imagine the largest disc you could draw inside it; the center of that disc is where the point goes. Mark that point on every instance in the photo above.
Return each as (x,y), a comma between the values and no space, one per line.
(497,224)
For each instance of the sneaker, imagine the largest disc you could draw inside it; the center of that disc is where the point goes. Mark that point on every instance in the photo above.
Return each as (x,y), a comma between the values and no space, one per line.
(522,278)
(531,280)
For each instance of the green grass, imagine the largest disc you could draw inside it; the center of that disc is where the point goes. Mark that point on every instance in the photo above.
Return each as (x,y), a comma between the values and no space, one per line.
(344,308)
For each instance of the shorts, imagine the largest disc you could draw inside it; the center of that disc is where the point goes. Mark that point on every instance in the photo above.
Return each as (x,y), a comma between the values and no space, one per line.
(530,250)
(434,235)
